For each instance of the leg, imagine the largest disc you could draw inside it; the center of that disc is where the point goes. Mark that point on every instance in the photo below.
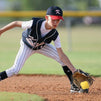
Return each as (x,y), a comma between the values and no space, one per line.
(68,72)
(50,51)
(22,56)
(3,75)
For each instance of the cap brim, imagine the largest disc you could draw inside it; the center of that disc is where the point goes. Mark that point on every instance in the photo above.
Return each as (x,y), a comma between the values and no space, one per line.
(56,17)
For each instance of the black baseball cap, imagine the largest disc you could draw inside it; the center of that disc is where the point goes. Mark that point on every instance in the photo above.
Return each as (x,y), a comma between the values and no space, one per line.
(55,12)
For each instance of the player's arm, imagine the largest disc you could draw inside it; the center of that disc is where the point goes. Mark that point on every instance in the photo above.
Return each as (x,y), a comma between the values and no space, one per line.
(62,56)
(65,59)
(10,26)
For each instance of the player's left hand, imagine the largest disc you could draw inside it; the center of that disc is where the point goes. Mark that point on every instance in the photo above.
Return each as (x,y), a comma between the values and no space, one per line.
(82,79)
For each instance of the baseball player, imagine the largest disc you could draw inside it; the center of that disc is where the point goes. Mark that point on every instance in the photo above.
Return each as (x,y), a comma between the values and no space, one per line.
(36,38)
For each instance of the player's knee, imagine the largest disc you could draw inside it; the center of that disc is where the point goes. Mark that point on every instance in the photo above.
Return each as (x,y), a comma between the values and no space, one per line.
(13,70)
(59,61)
(16,70)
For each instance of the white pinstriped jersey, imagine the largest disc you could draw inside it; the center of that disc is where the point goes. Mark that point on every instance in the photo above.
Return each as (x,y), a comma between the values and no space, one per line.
(28,24)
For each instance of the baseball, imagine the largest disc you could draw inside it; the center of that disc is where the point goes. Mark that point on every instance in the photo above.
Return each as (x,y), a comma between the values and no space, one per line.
(84,85)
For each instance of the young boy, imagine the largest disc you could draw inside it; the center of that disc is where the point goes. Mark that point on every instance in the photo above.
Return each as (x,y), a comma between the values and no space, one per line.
(36,39)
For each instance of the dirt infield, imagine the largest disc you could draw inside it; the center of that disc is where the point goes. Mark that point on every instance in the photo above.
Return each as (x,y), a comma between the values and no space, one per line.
(50,87)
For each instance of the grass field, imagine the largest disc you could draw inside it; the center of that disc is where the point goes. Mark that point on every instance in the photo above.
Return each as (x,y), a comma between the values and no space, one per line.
(85,54)
(4,96)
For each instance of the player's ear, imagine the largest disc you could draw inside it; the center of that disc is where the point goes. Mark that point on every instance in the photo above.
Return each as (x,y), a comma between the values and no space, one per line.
(46,17)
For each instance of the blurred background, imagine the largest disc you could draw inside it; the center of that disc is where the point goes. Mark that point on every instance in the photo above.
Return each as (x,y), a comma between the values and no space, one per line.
(71,5)
(80,35)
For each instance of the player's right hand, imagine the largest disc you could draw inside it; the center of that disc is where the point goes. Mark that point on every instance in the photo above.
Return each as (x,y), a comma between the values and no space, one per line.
(1,32)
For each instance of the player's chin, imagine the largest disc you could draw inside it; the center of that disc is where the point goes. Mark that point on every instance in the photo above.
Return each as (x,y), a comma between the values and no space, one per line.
(54,26)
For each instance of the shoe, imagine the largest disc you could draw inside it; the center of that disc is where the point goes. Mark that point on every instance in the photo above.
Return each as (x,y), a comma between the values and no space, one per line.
(84,91)
(74,89)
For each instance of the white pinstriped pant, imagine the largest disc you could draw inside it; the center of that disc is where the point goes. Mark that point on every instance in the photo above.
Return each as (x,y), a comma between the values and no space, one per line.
(24,53)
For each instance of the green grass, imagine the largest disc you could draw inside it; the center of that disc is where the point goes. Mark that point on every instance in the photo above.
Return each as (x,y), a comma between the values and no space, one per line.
(85,54)
(6,96)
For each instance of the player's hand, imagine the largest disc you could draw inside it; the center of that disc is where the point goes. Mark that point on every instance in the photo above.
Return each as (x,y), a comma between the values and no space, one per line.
(79,78)
(1,31)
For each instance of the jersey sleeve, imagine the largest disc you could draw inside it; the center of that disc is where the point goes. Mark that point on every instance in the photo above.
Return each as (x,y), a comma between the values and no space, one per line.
(27,24)
(57,42)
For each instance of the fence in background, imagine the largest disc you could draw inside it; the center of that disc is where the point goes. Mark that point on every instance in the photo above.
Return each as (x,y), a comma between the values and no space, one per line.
(19,14)
(42,13)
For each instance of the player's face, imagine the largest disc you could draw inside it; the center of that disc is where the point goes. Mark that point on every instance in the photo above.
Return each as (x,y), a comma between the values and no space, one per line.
(52,24)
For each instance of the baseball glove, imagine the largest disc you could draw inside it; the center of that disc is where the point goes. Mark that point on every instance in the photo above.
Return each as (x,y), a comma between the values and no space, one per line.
(81,76)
